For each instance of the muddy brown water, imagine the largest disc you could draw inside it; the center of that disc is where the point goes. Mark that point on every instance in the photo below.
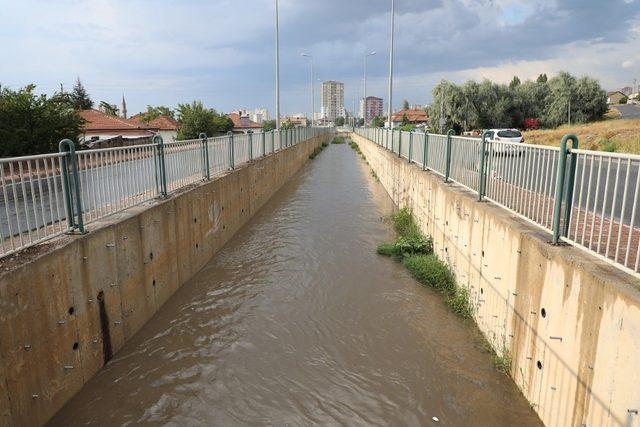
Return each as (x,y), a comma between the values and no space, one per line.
(297,321)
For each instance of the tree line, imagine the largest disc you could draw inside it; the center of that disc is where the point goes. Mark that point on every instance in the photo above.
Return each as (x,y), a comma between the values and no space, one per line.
(32,123)
(484,105)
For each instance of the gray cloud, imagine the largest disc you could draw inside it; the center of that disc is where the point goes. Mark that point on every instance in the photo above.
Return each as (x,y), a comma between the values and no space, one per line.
(222,51)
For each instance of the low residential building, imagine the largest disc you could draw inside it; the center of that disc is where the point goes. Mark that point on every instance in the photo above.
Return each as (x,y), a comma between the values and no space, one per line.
(415,116)
(243,124)
(164,126)
(616,97)
(298,120)
(100,126)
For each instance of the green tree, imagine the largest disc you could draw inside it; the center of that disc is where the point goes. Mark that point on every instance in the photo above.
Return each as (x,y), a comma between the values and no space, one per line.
(268,125)
(542,78)
(80,97)
(405,104)
(286,125)
(194,119)
(515,82)
(340,121)
(109,109)
(35,124)
(153,113)
(377,122)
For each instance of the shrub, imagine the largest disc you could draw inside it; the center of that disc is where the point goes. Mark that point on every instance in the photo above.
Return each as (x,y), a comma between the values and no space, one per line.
(459,303)
(338,140)
(430,271)
(608,145)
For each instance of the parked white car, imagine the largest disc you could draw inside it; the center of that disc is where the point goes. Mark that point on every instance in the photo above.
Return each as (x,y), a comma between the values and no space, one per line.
(504,140)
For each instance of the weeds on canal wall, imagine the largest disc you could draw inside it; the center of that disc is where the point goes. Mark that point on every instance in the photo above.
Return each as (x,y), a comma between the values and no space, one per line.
(502,361)
(415,251)
(318,150)
(338,140)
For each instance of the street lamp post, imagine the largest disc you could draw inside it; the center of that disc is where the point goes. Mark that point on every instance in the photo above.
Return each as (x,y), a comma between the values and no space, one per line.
(364,109)
(313,91)
(277,67)
(390,112)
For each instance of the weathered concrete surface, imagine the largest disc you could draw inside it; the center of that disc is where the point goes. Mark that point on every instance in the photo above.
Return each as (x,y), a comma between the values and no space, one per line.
(52,331)
(570,322)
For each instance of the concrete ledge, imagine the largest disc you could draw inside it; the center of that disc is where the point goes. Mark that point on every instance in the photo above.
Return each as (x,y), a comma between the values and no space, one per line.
(64,311)
(570,321)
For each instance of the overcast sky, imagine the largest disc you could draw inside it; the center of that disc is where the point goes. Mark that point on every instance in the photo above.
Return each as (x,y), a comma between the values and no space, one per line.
(222,51)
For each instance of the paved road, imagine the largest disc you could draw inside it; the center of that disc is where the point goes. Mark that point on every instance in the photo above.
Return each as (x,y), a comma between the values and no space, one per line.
(628,111)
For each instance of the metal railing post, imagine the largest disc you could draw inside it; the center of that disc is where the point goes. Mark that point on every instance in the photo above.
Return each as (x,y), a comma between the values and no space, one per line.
(263,136)
(560,190)
(250,137)
(568,195)
(425,151)
(410,145)
(447,172)
(161,168)
(71,186)
(482,176)
(399,142)
(231,151)
(205,156)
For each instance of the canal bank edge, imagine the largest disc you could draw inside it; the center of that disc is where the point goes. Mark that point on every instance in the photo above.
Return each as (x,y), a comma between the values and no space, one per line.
(70,308)
(570,321)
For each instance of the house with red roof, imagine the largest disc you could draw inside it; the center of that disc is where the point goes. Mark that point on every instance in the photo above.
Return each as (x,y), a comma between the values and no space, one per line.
(164,126)
(243,124)
(99,126)
(415,116)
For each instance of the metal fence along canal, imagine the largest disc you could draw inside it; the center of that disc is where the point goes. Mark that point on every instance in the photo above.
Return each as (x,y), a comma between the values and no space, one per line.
(585,198)
(48,195)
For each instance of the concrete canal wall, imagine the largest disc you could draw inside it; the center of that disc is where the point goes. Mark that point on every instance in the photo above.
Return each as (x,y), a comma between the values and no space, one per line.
(67,310)
(570,322)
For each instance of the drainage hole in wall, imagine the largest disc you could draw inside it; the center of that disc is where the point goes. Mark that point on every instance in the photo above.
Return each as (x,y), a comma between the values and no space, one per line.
(543,312)
(481,291)
(195,220)
(154,283)
(71,311)
(539,364)
(482,254)
(151,255)
(197,246)
(76,345)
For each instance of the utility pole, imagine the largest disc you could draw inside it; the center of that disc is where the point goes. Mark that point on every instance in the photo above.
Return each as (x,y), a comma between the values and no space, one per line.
(569,112)
(393,13)
(277,67)
(364,109)
(313,103)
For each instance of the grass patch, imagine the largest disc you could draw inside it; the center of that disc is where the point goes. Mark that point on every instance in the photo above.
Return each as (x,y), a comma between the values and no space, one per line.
(318,150)
(415,251)
(622,135)
(338,140)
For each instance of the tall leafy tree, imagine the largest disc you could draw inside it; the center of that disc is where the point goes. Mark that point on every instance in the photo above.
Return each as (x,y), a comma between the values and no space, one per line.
(268,125)
(153,113)
(35,124)
(109,109)
(80,97)
(405,104)
(377,122)
(195,119)
(515,82)
(542,78)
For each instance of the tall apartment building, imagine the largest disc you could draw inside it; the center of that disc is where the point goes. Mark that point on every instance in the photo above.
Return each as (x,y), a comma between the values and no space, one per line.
(332,100)
(371,107)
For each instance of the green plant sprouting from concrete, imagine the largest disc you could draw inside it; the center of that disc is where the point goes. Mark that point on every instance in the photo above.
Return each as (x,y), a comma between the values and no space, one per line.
(338,140)
(318,150)
(415,251)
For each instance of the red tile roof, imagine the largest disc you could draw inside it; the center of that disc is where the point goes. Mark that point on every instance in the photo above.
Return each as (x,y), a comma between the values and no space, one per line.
(243,122)
(97,121)
(159,123)
(416,115)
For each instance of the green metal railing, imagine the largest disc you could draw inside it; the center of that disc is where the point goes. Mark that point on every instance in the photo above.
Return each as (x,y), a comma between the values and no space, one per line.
(586,198)
(47,195)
